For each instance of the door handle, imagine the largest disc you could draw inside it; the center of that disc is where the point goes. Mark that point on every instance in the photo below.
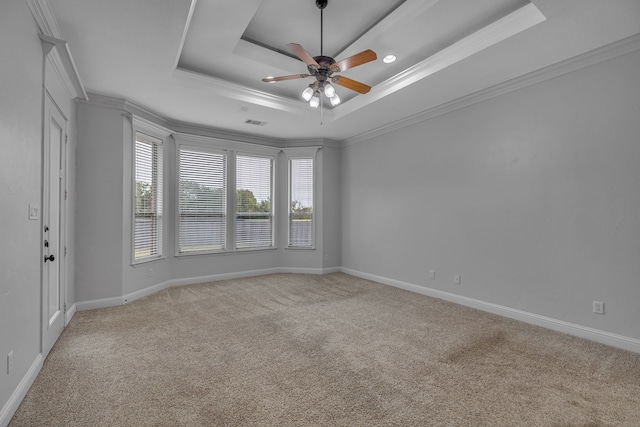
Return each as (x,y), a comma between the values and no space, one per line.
(49,258)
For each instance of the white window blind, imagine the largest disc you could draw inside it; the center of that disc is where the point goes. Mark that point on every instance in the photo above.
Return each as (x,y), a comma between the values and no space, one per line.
(202,201)
(148,198)
(301,218)
(254,211)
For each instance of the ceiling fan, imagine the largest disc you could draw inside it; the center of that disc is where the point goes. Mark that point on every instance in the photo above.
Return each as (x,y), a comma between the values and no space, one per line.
(323,68)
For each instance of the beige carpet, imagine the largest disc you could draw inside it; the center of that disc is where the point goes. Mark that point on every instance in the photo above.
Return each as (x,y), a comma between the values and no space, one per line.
(332,350)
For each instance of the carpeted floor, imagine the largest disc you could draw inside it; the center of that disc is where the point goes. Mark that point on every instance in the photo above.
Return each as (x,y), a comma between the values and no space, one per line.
(331,350)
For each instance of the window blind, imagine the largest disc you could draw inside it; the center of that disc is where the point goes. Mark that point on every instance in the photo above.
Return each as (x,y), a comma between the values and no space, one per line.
(301,218)
(202,201)
(254,211)
(148,198)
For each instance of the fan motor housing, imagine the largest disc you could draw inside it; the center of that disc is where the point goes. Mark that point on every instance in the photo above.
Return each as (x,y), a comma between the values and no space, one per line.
(323,72)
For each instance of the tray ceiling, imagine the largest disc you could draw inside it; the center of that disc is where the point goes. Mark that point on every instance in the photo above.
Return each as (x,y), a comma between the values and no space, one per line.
(202,62)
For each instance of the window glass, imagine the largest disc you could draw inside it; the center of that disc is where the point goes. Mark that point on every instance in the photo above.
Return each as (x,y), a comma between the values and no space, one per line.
(148,198)
(301,217)
(254,215)
(202,201)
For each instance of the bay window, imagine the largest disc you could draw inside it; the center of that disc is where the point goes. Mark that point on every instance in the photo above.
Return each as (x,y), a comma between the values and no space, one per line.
(225,197)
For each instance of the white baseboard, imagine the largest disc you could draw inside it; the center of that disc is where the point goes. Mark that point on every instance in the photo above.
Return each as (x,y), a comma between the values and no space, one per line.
(223,276)
(70,312)
(20,392)
(197,279)
(145,292)
(592,334)
(99,303)
(132,296)
(298,270)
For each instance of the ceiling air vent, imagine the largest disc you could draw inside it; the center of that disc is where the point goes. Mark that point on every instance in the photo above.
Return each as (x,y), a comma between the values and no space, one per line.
(255,122)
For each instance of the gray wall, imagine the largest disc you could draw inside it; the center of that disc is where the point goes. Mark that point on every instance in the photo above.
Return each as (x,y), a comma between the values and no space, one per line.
(532,197)
(331,208)
(21,112)
(100,203)
(20,184)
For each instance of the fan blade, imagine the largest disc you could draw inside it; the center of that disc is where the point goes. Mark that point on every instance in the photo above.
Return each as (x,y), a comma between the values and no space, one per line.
(353,61)
(304,55)
(351,84)
(279,78)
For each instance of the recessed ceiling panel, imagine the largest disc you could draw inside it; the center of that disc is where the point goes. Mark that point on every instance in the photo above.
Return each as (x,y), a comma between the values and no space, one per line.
(242,45)
(279,22)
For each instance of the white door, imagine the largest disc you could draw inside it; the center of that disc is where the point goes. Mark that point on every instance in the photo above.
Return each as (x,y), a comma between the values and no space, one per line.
(55,133)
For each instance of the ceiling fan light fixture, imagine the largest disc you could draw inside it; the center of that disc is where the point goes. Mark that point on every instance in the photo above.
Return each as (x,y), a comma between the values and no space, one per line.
(307,94)
(315,100)
(323,67)
(329,90)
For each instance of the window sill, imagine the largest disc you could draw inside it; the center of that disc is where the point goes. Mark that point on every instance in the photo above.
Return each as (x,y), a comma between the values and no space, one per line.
(224,253)
(147,261)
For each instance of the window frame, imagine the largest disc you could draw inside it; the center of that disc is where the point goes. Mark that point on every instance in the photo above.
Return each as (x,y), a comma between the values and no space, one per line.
(210,150)
(273,216)
(295,154)
(231,149)
(156,135)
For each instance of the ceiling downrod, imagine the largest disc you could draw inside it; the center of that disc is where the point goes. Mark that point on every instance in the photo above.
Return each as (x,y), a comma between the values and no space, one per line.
(321,5)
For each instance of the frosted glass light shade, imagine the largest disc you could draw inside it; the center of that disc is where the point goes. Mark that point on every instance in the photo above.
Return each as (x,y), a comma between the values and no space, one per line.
(314,102)
(307,94)
(329,90)
(335,99)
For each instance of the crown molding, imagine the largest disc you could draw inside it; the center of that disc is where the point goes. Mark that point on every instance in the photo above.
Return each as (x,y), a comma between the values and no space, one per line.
(179,127)
(42,13)
(301,151)
(58,53)
(185,31)
(56,49)
(223,143)
(323,142)
(505,27)
(128,107)
(145,125)
(245,94)
(596,56)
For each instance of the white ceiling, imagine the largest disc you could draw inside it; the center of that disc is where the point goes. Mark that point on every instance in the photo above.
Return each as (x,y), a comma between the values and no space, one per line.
(201,62)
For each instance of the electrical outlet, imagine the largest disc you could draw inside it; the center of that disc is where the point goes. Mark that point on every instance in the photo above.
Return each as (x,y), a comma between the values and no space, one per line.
(432,274)
(456,279)
(598,307)
(9,362)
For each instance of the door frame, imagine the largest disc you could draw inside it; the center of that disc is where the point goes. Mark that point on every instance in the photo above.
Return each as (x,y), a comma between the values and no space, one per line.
(50,107)
(60,78)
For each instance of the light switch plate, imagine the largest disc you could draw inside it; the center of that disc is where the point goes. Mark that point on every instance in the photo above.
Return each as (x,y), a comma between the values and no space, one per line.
(34,211)
(9,362)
